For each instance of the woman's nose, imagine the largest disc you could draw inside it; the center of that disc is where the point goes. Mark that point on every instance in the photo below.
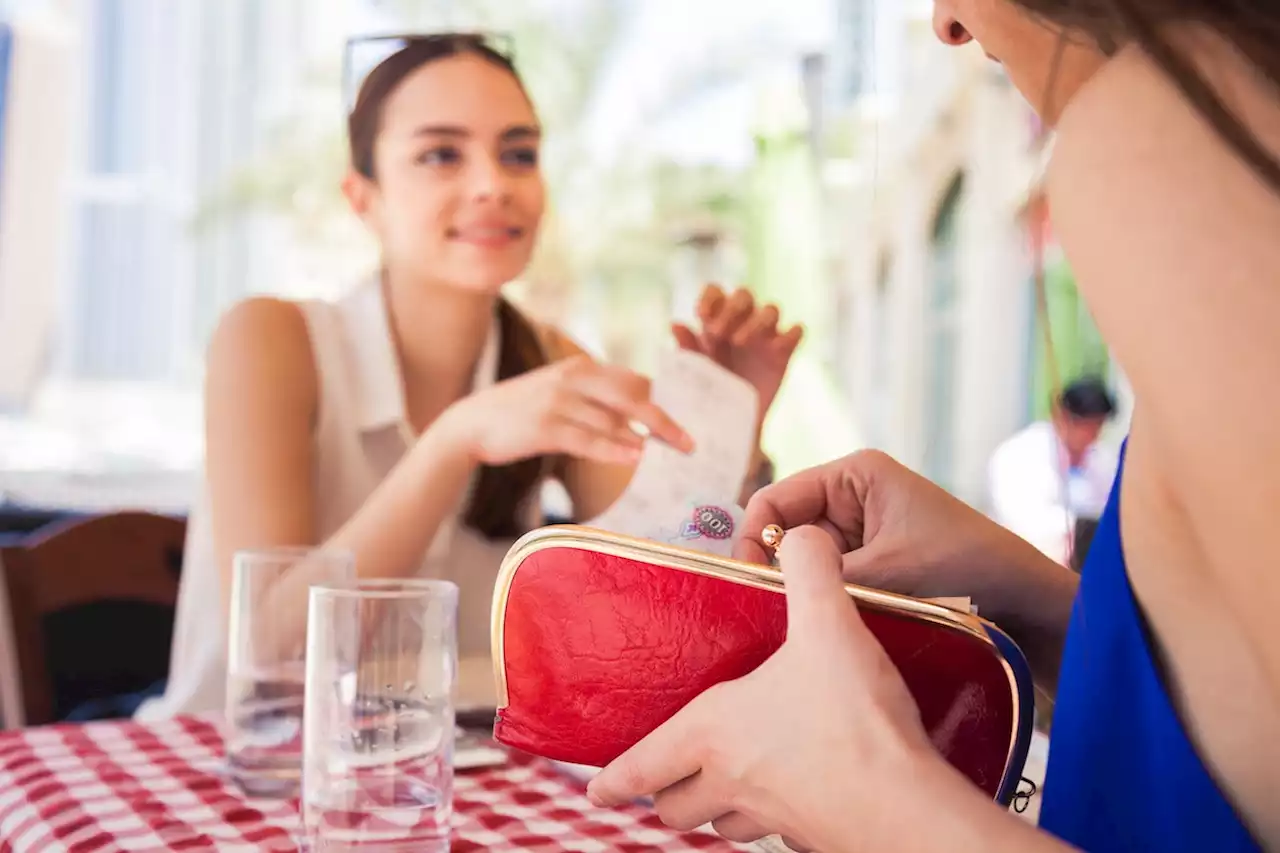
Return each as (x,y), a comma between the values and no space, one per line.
(489,180)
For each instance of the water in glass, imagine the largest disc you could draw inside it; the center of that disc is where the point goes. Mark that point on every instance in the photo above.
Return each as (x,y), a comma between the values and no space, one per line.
(264,731)
(266,669)
(379,723)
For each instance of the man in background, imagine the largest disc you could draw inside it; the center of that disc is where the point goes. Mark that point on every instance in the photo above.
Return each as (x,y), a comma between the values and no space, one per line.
(1050,481)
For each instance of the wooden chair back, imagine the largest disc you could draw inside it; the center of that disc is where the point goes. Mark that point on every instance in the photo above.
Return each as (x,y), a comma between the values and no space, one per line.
(91,607)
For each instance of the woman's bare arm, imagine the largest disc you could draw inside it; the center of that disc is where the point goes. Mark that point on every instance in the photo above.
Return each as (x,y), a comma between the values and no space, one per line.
(262,401)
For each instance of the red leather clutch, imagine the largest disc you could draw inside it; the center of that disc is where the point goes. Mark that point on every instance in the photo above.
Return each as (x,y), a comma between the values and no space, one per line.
(599,638)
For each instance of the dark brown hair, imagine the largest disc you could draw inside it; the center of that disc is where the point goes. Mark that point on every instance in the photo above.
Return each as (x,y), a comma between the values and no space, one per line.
(365,119)
(500,493)
(1252,26)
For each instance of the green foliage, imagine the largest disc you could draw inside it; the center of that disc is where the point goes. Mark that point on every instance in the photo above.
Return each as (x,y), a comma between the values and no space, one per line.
(843,137)
(1077,343)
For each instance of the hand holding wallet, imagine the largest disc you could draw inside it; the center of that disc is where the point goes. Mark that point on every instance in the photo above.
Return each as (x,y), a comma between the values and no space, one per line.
(599,638)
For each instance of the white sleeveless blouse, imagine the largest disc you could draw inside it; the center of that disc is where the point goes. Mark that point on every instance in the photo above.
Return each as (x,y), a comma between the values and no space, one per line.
(361,433)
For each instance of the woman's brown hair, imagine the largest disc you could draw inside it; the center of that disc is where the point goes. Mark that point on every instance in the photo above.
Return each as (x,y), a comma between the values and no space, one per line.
(1252,26)
(500,493)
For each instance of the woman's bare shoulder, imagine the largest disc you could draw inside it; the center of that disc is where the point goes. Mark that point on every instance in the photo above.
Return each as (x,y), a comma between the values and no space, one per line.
(1172,237)
(263,317)
(262,347)
(1148,195)
(1132,116)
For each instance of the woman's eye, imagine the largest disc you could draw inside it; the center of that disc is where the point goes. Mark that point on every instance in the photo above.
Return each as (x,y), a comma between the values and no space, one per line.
(440,157)
(524,158)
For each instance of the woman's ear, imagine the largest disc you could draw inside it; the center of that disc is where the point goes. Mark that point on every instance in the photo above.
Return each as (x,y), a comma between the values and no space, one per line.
(356,187)
(362,194)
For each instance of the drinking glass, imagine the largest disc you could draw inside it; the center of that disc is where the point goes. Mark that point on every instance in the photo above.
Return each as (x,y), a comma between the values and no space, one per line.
(378,740)
(266,648)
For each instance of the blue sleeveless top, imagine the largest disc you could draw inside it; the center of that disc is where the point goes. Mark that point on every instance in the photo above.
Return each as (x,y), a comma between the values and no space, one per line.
(1122,773)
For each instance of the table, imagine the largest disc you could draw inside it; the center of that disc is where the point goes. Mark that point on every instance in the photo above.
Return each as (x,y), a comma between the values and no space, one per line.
(129,786)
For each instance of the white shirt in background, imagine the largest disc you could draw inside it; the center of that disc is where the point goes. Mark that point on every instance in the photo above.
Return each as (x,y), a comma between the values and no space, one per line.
(1034,495)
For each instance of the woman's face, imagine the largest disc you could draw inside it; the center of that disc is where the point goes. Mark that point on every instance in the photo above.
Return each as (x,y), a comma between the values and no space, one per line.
(1026,46)
(459,193)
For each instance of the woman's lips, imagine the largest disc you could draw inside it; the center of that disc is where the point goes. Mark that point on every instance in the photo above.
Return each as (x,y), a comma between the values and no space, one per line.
(486,236)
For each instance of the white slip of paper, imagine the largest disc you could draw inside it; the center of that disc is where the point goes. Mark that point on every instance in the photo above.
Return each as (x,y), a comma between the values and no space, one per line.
(718,410)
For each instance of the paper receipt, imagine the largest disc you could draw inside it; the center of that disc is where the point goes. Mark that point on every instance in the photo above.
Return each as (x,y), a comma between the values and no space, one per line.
(718,409)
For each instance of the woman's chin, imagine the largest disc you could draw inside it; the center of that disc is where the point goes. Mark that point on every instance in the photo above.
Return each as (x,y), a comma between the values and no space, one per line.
(488,283)
(474,278)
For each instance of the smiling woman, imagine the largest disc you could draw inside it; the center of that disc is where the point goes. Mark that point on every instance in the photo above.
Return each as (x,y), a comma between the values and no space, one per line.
(414,421)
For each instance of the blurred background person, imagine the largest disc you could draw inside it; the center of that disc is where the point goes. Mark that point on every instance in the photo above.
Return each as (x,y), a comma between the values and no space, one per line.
(1050,481)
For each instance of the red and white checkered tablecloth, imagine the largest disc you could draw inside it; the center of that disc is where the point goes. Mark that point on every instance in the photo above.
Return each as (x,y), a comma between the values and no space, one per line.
(129,786)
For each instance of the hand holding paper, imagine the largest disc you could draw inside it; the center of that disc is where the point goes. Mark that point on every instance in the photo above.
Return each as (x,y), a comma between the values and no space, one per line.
(718,410)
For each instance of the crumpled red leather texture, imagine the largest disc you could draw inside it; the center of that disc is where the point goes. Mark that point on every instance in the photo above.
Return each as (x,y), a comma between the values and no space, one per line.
(600,650)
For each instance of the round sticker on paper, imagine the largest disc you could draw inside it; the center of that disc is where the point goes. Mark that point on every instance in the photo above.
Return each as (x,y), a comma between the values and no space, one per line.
(713,522)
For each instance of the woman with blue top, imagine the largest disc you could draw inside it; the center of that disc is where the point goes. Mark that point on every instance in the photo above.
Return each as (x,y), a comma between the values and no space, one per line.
(1165,190)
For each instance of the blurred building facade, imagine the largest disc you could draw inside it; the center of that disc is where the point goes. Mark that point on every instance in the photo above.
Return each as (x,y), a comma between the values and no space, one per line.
(178,96)
(35,112)
(143,111)
(942,358)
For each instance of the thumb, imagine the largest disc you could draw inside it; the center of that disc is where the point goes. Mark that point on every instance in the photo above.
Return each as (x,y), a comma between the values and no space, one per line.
(812,573)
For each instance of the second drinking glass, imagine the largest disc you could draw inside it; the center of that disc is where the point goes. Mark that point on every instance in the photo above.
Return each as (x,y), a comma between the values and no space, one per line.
(266,648)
